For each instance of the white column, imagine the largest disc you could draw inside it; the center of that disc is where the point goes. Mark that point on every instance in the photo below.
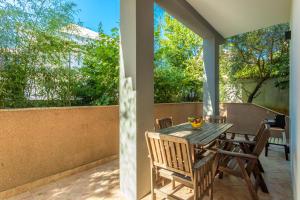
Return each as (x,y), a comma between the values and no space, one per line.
(136,95)
(295,97)
(211,77)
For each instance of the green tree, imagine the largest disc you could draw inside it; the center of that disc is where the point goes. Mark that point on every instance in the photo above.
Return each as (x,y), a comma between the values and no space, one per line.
(259,55)
(31,42)
(176,44)
(99,85)
(178,63)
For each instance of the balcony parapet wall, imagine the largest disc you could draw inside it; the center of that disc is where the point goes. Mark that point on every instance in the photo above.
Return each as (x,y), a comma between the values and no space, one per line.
(37,143)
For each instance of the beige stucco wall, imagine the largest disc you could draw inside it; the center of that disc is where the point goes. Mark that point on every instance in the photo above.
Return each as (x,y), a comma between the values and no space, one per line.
(37,143)
(247,117)
(179,112)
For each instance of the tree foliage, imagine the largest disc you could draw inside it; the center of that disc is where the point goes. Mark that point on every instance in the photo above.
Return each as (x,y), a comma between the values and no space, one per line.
(259,55)
(34,48)
(30,42)
(100,72)
(178,63)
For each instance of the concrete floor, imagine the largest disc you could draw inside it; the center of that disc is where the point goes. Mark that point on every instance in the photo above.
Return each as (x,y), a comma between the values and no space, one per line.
(102,182)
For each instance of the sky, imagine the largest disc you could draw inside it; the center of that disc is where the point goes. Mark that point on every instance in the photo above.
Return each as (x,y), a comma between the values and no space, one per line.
(92,12)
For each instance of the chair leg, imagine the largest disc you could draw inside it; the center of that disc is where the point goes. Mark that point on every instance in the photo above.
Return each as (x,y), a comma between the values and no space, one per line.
(247,179)
(153,180)
(216,167)
(173,184)
(263,185)
(267,149)
(196,194)
(260,166)
(211,193)
(260,182)
(220,175)
(232,136)
(286,150)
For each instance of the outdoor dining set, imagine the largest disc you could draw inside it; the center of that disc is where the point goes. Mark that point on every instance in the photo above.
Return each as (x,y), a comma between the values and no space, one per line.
(191,156)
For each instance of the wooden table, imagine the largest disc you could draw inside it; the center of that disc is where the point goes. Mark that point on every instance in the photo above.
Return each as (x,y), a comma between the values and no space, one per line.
(201,136)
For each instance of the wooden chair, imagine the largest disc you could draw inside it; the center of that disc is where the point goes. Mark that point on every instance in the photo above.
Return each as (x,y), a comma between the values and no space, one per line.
(170,157)
(251,137)
(217,119)
(279,139)
(164,122)
(250,143)
(246,162)
(214,119)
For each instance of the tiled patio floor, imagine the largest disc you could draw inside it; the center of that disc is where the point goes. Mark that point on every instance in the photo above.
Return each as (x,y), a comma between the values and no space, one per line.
(103,183)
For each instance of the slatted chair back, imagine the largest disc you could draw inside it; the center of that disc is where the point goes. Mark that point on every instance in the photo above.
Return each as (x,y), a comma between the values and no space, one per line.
(164,122)
(204,177)
(262,141)
(260,131)
(154,149)
(215,119)
(170,152)
(177,152)
(174,154)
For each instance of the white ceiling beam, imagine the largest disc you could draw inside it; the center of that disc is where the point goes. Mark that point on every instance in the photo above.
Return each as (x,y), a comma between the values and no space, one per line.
(233,17)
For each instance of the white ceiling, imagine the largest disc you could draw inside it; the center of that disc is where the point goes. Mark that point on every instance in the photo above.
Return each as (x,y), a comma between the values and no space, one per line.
(232,17)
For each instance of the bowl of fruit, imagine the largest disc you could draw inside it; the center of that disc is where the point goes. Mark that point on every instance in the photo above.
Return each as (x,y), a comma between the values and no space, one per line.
(195,122)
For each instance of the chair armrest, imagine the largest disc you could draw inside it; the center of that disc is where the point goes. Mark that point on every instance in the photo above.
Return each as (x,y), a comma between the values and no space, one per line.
(239,133)
(237,155)
(277,129)
(238,141)
(246,135)
(203,161)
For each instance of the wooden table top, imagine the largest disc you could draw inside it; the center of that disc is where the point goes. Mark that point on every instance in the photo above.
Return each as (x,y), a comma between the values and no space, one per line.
(201,136)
